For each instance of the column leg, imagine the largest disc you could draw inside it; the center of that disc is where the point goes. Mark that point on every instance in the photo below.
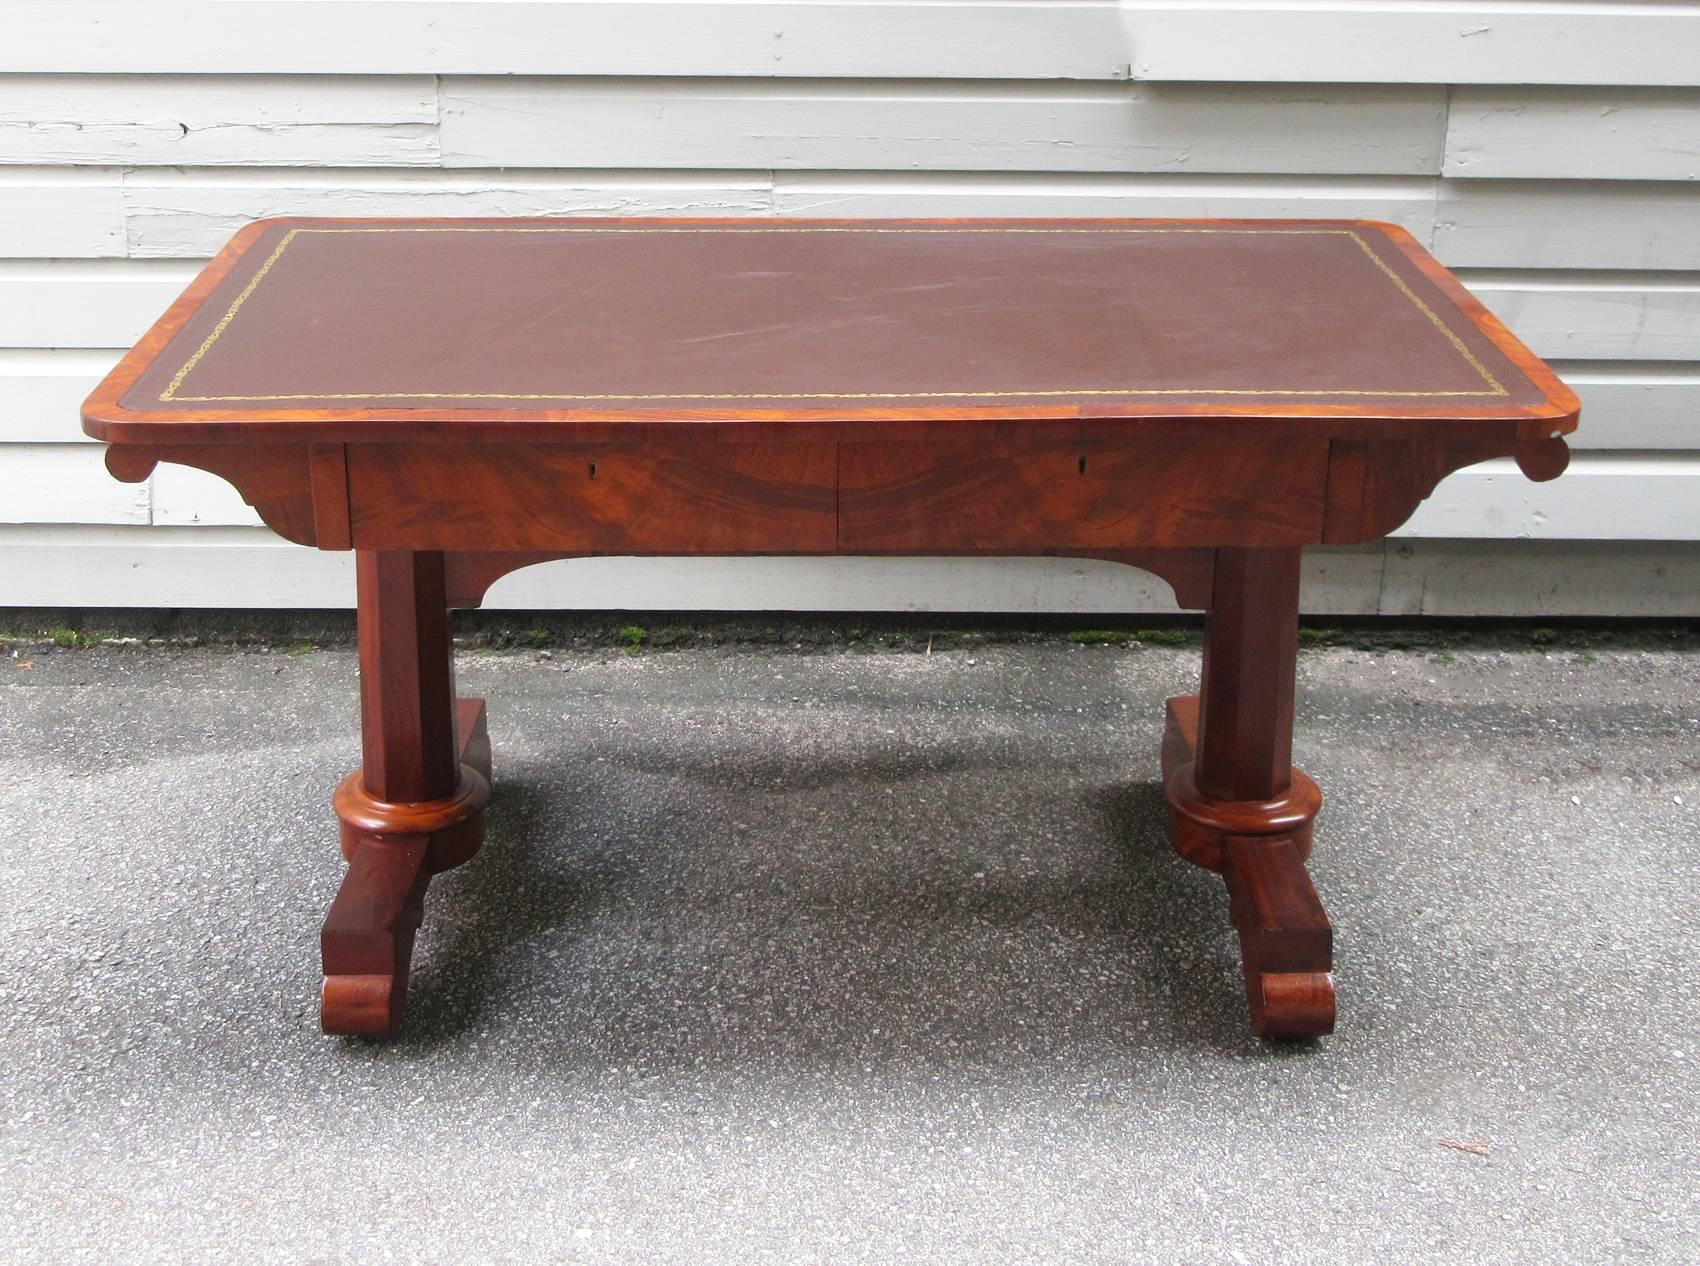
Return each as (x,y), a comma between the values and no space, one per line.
(1236,803)
(416,805)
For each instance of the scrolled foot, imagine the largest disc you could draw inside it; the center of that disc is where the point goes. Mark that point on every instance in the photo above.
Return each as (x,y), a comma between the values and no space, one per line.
(1286,941)
(1291,1004)
(367,941)
(362,1006)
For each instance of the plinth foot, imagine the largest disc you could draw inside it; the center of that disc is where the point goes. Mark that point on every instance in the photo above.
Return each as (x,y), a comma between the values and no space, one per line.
(1259,848)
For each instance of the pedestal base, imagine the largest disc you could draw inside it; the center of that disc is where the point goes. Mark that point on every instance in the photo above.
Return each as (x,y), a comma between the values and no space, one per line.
(1259,848)
(366,943)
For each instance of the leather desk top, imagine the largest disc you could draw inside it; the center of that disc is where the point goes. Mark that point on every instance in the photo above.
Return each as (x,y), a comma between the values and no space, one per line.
(309,324)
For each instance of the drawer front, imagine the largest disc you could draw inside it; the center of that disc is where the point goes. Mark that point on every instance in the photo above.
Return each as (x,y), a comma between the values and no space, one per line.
(679,497)
(960,496)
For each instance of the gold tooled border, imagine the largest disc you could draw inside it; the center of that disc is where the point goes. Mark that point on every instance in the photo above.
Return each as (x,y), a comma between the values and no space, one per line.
(172,390)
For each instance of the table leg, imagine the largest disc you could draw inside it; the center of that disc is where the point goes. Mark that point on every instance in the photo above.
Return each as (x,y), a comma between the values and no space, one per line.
(416,805)
(1236,803)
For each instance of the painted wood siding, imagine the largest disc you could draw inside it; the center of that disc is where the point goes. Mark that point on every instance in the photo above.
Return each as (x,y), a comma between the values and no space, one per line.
(1547,149)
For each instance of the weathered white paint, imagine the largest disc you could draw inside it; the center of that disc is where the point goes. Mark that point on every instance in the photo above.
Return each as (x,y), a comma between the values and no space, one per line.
(1635,404)
(1573,211)
(179,215)
(251,120)
(1565,133)
(249,567)
(170,213)
(1004,39)
(857,194)
(1540,578)
(75,214)
(1610,316)
(38,482)
(85,303)
(1568,224)
(1415,41)
(41,392)
(184,496)
(1603,496)
(922,125)
(73,565)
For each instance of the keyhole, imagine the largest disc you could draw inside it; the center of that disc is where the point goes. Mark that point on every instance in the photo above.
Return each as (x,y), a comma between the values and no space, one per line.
(593,470)
(1083,465)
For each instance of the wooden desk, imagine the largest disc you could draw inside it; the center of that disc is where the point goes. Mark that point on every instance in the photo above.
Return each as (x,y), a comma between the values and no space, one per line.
(454,399)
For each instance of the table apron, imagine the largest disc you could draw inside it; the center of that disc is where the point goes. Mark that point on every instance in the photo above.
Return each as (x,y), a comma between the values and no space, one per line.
(945,496)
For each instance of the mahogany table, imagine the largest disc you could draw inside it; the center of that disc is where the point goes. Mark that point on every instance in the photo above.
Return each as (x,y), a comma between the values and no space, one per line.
(455,399)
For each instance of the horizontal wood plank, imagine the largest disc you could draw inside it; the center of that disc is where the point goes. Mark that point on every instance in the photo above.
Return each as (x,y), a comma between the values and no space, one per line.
(251,568)
(1041,39)
(177,215)
(201,120)
(64,214)
(1603,496)
(1568,224)
(941,126)
(1346,41)
(49,483)
(85,303)
(1406,202)
(1561,133)
(42,391)
(1635,405)
(165,213)
(1539,579)
(184,496)
(1596,317)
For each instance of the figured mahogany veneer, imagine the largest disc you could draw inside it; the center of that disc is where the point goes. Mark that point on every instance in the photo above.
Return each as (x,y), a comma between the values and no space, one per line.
(456,399)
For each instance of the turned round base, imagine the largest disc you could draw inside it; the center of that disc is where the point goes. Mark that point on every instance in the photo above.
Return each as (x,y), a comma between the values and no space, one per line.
(454,825)
(1199,825)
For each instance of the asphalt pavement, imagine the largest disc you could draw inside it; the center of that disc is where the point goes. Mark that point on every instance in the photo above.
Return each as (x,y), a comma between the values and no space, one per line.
(841,956)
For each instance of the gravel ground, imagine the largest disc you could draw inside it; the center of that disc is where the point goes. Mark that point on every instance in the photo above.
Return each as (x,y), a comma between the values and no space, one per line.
(852,957)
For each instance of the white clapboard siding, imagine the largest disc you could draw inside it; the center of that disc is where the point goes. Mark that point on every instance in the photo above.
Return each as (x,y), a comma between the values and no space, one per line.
(857,194)
(1542,147)
(250,120)
(177,215)
(167,213)
(77,565)
(1001,39)
(85,303)
(42,391)
(1568,224)
(180,215)
(1416,41)
(185,496)
(829,124)
(249,567)
(1540,578)
(1564,133)
(1635,404)
(72,214)
(1609,316)
(39,481)
(1603,496)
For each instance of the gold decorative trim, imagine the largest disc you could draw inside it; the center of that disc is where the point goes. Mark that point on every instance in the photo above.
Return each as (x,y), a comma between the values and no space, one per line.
(171,392)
